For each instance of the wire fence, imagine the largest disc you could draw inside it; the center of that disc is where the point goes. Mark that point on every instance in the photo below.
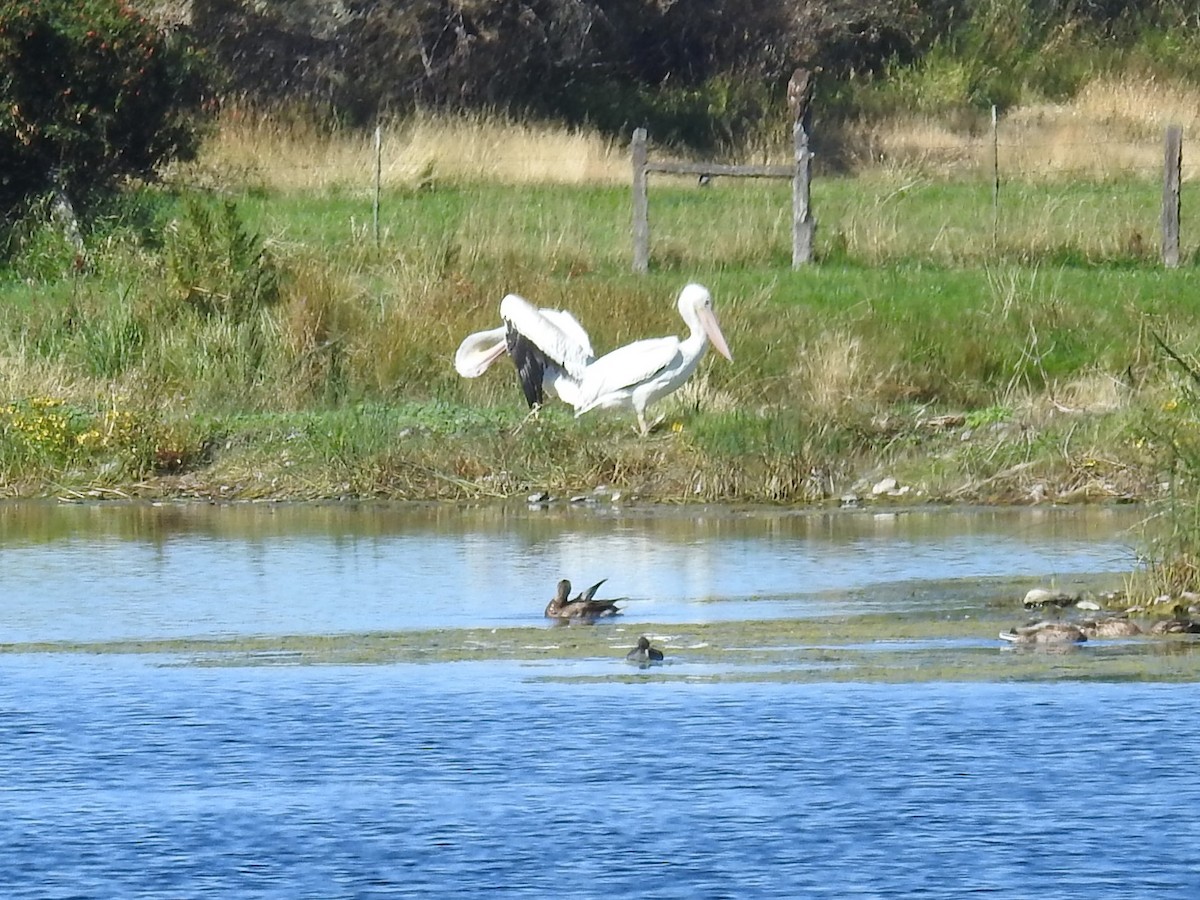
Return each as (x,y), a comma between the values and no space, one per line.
(1045,194)
(1077,191)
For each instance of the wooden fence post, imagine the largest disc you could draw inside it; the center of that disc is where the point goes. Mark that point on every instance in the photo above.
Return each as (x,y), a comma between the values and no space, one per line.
(641,204)
(800,91)
(1172,166)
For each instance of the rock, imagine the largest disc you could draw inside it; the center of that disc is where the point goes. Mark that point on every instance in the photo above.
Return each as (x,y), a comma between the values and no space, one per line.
(1089,605)
(1038,597)
(539,497)
(886,486)
(849,500)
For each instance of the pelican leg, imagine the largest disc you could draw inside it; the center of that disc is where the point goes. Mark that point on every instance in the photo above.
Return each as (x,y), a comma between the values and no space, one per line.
(644,427)
(531,415)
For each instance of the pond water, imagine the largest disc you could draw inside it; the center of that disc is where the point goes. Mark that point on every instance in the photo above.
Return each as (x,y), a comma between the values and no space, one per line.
(97,572)
(153,769)
(125,778)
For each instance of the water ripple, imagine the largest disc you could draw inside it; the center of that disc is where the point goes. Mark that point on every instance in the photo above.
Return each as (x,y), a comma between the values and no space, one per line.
(124,779)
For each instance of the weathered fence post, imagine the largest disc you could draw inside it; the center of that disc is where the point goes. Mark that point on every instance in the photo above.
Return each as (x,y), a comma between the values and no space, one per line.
(800,91)
(641,204)
(1172,166)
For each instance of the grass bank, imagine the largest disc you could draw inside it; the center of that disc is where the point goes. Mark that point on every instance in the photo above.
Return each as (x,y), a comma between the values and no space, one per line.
(248,334)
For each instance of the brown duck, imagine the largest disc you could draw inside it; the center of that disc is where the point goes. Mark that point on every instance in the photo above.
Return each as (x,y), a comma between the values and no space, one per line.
(1176,625)
(1111,627)
(583,607)
(1045,633)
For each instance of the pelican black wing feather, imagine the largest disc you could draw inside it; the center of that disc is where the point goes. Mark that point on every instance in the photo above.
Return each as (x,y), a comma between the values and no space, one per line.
(530,363)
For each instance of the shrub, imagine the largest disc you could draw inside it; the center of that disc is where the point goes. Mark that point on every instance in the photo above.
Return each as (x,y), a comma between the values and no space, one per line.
(90,93)
(217,266)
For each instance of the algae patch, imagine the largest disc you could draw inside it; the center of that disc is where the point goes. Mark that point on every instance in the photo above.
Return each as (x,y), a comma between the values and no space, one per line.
(927,645)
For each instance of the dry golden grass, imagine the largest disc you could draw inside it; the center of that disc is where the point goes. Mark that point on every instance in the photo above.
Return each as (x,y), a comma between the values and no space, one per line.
(22,377)
(834,371)
(296,155)
(1113,127)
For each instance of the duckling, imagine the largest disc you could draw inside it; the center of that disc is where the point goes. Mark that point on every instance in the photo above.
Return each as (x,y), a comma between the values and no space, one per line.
(1045,633)
(1110,627)
(643,655)
(583,607)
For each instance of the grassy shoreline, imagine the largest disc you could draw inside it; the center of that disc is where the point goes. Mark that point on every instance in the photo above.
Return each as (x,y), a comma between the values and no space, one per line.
(255,341)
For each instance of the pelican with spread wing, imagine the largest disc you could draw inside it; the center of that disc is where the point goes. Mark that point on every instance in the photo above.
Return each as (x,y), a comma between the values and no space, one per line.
(638,374)
(548,347)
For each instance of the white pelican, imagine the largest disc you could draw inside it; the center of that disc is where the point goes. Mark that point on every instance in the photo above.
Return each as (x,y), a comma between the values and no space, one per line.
(636,375)
(548,347)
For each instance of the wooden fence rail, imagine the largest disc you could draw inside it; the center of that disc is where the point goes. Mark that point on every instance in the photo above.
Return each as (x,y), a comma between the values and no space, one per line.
(803,226)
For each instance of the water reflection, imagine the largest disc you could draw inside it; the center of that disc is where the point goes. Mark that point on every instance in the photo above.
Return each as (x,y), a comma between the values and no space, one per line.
(75,572)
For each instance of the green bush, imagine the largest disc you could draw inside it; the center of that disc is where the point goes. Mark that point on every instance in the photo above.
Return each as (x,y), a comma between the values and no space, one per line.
(90,93)
(218,266)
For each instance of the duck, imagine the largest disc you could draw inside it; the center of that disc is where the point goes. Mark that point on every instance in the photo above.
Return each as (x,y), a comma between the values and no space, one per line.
(1110,627)
(1175,625)
(643,655)
(583,607)
(1045,633)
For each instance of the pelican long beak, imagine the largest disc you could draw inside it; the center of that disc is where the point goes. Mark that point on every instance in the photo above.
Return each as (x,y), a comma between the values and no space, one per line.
(478,351)
(708,321)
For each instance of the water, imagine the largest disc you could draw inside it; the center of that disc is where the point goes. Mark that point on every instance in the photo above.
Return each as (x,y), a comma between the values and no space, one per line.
(158,775)
(127,779)
(99,572)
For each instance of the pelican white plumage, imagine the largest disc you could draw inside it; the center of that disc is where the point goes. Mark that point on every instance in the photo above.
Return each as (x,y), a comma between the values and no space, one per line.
(548,347)
(636,375)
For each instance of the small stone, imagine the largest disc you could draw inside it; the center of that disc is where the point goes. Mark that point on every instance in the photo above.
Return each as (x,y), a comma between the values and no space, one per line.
(886,486)
(948,421)
(1037,597)
(1090,605)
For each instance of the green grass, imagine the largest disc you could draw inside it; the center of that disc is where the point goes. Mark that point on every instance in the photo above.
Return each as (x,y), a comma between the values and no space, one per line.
(337,381)
(889,218)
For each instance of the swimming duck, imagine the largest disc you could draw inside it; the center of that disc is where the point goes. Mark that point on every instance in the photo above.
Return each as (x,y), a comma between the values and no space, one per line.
(583,607)
(1175,626)
(1110,627)
(1045,633)
(643,655)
